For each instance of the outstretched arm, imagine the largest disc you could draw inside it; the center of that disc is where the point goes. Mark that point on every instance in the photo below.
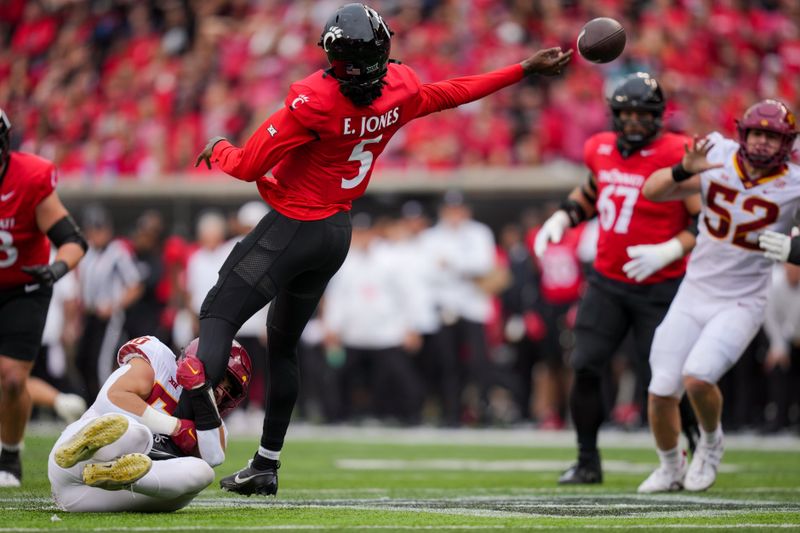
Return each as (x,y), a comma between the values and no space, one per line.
(266,146)
(681,180)
(452,93)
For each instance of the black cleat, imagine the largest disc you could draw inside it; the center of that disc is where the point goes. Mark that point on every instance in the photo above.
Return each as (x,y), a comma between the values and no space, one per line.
(582,474)
(249,481)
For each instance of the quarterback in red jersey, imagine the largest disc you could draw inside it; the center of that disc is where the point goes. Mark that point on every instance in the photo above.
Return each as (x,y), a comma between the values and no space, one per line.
(640,252)
(321,147)
(31,216)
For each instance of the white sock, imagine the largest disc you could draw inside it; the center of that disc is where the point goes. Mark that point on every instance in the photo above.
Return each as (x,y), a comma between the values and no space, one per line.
(671,458)
(269,454)
(712,438)
(11,447)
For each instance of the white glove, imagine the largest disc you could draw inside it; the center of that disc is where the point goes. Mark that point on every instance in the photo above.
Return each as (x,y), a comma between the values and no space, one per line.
(776,246)
(647,259)
(552,231)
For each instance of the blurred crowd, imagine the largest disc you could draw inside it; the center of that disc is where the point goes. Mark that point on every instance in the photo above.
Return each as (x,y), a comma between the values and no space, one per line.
(113,89)
(435,318)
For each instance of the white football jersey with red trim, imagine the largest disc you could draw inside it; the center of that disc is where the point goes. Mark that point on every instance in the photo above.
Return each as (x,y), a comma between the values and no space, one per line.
(165,393)
(727,262)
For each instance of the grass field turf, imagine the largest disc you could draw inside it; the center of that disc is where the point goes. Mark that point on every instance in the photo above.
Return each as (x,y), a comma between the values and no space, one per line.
(471,481)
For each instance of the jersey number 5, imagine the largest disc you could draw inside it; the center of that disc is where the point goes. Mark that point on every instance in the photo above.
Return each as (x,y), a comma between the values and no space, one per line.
(751,204)
(364,157)
(6,248)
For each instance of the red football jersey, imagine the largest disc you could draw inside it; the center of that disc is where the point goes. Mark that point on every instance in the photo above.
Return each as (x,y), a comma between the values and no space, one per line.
(626,217)
(28,180)
(561,277)
(323,148)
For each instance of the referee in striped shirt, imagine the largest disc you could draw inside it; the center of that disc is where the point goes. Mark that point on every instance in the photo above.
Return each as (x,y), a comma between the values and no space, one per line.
(109,284)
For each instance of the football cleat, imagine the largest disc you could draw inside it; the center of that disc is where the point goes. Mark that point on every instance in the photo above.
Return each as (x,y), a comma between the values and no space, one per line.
(249,481)
(100,432)
(582,473)
(10,472)
(664,479)
(119,473)
(703,470)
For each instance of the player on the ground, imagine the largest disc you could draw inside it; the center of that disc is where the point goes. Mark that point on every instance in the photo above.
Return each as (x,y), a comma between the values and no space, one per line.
(640,250)
(321,148)
(748,186)
(107,449)
(30,214)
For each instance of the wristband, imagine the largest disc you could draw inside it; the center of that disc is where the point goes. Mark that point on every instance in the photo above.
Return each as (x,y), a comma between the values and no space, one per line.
(574,210)
(794,251)
(679,173)
(59,269)
(158,422)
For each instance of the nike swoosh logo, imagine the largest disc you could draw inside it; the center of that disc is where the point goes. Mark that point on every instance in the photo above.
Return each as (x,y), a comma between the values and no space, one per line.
(239,479)
(195,372)
(7,196)
(32,287)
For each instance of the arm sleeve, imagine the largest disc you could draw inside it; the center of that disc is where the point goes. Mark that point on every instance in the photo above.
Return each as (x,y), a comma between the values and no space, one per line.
(447,94)
(209,445)
(266,146)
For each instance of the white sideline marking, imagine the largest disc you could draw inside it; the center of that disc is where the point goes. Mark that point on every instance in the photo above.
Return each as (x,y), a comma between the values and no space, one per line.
(619,467)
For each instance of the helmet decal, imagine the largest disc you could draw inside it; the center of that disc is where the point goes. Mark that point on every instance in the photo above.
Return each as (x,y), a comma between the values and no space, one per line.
(333,33)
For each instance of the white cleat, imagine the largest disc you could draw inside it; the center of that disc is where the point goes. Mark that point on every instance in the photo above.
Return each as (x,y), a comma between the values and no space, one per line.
(100,432)
(664,479)
(7,479)
(703,471)
(69,407)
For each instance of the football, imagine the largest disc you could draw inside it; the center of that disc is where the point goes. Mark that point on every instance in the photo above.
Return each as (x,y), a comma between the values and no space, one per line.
(601,40)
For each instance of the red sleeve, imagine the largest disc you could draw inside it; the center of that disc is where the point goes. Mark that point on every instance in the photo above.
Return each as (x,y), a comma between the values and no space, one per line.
(447,94)
(266,146)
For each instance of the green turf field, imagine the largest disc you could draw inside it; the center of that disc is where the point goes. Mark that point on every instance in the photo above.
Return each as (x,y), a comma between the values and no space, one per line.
(352,479)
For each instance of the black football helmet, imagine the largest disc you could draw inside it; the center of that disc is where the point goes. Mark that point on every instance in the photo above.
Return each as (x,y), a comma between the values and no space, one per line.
(357,42)
(639,92)
(5,142)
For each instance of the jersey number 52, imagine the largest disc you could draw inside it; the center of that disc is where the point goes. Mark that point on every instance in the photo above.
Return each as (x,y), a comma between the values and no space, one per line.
(718,195)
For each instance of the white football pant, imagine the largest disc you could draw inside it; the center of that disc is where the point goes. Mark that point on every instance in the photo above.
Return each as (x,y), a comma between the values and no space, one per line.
(168,486)
(702,338)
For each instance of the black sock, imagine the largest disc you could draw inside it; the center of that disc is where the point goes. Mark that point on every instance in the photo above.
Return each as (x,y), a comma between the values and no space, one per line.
(586,407)
(262,463)
(9,456)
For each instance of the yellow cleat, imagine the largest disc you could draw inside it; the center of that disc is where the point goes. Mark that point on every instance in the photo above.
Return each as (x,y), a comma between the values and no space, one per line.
(119,473)
(100,432)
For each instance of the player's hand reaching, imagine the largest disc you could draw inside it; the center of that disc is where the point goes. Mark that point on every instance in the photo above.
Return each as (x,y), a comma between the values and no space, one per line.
(205,155)
(695,157)
(191,373)
(47,275)
(547,62)
(551,231)
(185,436)
(647,259)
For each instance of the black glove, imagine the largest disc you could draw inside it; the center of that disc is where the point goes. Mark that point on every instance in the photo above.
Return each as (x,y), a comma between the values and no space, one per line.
(46,275)
(205,155)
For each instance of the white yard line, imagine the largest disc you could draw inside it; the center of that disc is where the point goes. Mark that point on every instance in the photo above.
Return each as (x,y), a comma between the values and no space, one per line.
(525,527)
(473,465)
